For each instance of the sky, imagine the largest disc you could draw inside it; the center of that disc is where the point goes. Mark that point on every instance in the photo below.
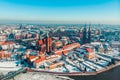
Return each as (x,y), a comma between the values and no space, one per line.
(71,11)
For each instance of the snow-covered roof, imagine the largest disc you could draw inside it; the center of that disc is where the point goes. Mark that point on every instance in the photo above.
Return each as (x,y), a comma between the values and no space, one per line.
(96,43)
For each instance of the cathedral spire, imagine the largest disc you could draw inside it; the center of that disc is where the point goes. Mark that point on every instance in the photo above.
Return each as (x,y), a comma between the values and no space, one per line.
(84,35)
(89,35)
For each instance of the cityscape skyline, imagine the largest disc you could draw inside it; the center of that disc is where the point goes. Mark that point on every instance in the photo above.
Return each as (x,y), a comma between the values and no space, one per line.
(59,39)
(63,11)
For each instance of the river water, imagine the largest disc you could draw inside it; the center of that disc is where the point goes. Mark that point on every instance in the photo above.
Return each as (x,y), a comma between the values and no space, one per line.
(113,74)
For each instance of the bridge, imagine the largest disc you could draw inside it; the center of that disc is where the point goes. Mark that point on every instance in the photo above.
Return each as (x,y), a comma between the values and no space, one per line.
(13,74)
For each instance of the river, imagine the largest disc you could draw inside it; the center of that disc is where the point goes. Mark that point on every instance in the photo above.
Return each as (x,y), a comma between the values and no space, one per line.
(113,74)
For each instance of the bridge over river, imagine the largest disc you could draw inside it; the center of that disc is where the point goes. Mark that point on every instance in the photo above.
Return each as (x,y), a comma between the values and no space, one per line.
(13,74)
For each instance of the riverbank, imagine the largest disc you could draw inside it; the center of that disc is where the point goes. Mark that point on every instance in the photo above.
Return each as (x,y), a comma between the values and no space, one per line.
(39,76)
(113,74)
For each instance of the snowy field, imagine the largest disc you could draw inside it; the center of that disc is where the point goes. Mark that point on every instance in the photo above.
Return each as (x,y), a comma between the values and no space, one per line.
(7,66)
(7,63)
(38,76)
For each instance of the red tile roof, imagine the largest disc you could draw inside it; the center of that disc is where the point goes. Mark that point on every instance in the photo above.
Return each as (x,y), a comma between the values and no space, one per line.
(89,50)
(38,60)
(65,52)
(40,42)
(32,58)
(7,43)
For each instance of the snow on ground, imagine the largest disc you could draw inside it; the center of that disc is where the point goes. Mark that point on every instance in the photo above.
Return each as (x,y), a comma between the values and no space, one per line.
(9,69)
(8,64)
(59,69)
(36,76)
(4,72)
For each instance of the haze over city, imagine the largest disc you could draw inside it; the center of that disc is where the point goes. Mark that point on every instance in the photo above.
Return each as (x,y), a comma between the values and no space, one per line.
(60,11)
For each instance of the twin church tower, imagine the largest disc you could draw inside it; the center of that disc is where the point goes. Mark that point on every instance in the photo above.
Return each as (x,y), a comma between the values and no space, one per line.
(86,35)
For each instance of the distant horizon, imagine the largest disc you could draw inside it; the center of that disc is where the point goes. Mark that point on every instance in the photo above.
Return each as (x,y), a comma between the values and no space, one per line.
(51,22)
